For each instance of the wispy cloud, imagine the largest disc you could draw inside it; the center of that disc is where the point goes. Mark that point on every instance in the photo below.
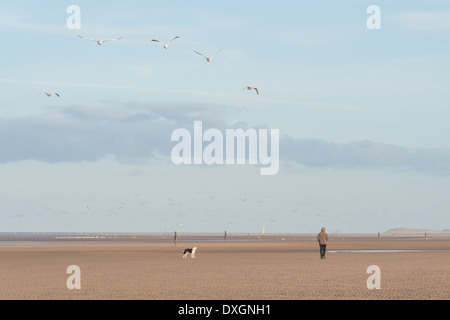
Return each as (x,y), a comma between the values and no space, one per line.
(423,21)
(113,86)
(320,36)
(12,23)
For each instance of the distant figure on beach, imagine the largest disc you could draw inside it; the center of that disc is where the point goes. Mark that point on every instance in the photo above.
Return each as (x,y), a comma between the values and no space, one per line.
(175,238)
(322,238)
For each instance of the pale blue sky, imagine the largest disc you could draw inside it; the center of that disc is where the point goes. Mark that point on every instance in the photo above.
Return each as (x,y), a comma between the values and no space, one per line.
(363,115)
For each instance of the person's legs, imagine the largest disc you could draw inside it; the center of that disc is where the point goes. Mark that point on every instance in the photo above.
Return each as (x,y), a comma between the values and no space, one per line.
(324,250)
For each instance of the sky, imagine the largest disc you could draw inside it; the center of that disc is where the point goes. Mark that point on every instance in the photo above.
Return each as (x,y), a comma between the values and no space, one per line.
(362,115)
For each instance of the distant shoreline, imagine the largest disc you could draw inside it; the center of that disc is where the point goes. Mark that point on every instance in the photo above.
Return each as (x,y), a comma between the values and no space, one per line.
(213,237)
(162,234)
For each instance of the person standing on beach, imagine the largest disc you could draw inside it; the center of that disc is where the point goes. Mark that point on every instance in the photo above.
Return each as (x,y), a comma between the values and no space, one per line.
(322,238)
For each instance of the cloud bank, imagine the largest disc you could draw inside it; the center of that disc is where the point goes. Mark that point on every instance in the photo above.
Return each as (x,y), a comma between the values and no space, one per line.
(139,131)
(85,133)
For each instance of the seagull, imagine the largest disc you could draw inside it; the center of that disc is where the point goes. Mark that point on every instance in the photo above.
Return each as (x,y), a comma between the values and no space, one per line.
(100,42)
(50,93)
(208,59)
(166,45)
(251,88)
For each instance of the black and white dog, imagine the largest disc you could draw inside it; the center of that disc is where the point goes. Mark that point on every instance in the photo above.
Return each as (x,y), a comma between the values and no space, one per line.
(189,251)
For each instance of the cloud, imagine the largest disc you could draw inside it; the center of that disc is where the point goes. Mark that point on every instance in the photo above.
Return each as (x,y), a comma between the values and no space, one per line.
(115,87)
(15,22)
(139,131)
(423,21)
(364,154)
(185,113)
(319,36)
(86,133)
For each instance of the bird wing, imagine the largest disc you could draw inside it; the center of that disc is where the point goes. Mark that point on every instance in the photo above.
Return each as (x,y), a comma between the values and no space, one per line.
(86,38)
(216,52)
(114,39)
(158,41)
(56,93)
(201,54)
(257,92)
(173,39)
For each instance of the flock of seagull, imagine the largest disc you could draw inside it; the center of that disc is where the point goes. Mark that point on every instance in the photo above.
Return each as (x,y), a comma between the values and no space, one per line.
(165,45)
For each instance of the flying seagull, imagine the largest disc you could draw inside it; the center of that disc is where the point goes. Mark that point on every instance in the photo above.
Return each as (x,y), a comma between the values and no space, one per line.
(50,93)
(165,44)
(251,88)
(208,59)
(100,42)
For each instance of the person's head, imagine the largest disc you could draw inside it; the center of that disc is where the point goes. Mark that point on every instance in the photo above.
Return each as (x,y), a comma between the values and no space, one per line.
(323,229)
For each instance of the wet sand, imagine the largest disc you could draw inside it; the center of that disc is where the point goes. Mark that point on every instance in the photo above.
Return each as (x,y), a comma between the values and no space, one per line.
(226,270)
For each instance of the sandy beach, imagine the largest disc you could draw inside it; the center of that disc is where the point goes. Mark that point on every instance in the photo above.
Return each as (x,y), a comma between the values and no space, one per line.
(276,269)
